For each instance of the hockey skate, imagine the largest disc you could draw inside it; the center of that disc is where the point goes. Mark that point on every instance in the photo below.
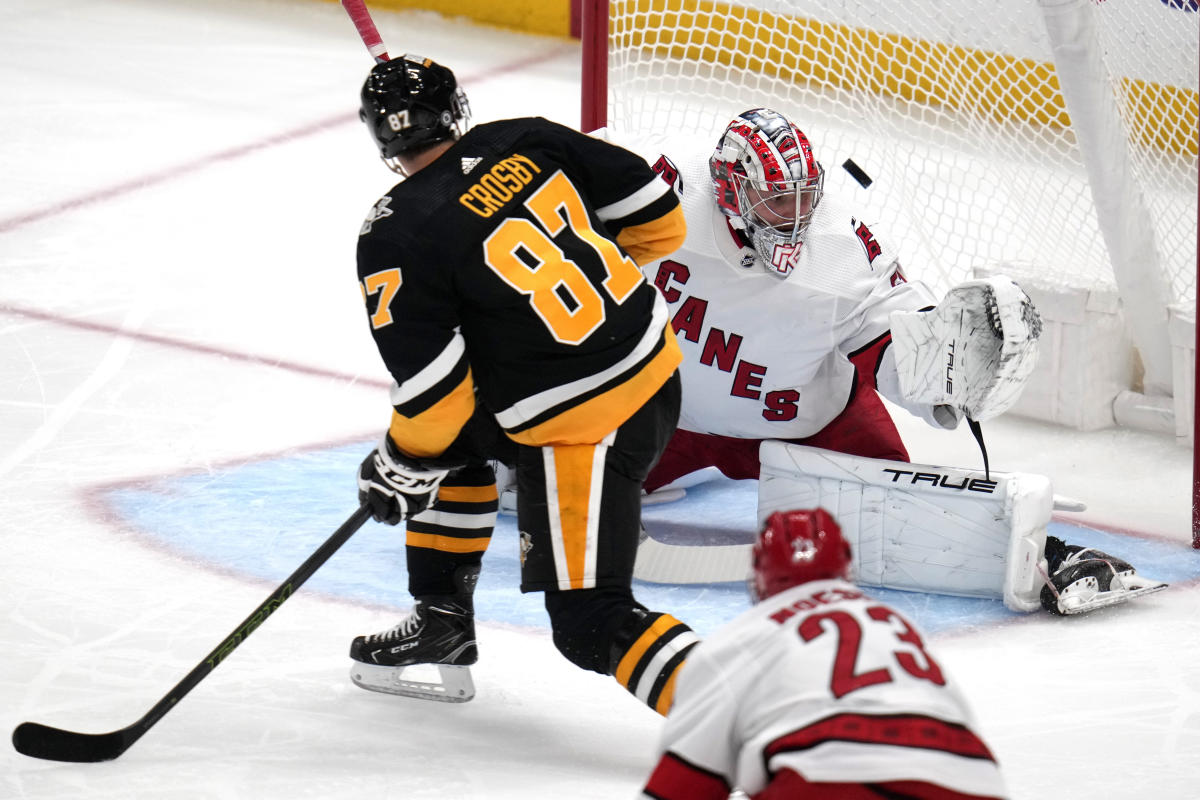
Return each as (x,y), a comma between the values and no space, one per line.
(1084,579)
(438,636)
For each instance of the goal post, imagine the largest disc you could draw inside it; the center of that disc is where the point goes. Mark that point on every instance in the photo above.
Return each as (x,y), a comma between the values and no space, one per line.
(1054,140)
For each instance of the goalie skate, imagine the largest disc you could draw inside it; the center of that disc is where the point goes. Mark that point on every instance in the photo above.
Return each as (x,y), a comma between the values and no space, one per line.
(1086,579)
(427,655)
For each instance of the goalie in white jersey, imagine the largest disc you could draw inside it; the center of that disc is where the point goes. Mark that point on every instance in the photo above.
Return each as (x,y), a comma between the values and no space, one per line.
(817,692)
(781,298)
(794,317)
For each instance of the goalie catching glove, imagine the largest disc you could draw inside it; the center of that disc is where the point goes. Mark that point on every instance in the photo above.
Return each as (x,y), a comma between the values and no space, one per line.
(395,486)
(973,352)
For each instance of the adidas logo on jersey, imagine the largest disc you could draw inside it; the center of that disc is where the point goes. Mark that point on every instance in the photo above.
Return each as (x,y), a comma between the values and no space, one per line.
(469,164)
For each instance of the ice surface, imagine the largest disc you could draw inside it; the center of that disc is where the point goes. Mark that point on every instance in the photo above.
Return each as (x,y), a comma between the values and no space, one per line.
(188,384)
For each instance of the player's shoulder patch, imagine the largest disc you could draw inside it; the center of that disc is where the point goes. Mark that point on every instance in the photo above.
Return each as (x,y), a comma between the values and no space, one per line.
(665,168)
(871,248)
(378,211)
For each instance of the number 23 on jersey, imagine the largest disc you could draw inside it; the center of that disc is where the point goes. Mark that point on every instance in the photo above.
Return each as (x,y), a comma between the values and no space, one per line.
(845,677)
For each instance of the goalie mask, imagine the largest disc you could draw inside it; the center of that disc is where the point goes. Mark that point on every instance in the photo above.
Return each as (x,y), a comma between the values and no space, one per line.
(768,183)
(409,103)
(796,547)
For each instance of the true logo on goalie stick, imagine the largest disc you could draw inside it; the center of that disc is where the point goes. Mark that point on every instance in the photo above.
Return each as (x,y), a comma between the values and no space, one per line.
(950,369)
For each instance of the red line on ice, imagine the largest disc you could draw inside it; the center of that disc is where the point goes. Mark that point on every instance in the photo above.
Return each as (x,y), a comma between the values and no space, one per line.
(234,153)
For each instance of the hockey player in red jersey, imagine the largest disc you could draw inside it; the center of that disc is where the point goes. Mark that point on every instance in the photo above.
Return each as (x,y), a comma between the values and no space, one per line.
(818,692)
(794,316)
(503,292)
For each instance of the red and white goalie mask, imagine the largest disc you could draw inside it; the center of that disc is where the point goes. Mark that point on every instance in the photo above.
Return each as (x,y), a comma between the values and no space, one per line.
(768,183)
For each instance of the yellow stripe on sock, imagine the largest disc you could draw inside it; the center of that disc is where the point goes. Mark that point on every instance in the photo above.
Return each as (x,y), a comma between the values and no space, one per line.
(468,494)
(634,654)
(668,693)
(447,544)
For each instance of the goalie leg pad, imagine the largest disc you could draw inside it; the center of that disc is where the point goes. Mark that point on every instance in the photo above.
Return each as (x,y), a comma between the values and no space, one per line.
(920,527)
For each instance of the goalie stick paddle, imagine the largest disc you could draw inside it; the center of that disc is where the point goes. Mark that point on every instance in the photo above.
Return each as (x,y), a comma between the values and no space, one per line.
(357,9)
(55,744)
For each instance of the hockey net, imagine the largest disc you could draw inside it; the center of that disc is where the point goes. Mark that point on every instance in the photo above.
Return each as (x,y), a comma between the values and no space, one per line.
(988,129)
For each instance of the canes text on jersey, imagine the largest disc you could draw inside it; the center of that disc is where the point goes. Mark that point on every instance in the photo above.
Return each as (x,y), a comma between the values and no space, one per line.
(499,185)
(719,350)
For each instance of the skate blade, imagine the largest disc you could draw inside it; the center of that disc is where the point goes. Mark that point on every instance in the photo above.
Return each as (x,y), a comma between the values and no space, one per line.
(456,685)
(1135,587)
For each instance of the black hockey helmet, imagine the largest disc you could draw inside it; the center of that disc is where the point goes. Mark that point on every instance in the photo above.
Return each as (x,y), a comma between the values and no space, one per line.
(411,102)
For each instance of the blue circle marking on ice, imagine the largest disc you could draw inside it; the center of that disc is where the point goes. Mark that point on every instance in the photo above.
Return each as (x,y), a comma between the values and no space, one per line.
(263,518)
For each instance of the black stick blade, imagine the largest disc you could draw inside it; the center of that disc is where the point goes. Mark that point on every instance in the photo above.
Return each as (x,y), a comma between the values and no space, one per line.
(55,744)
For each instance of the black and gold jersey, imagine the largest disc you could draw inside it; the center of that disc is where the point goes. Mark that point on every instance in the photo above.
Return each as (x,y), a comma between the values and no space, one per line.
(506,272)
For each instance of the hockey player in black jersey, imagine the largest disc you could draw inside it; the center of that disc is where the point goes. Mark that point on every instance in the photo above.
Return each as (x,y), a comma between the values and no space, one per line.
(503,290)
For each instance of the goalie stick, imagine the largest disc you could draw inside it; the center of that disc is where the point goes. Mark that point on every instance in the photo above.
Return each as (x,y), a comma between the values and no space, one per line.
(55,744)
(357,9)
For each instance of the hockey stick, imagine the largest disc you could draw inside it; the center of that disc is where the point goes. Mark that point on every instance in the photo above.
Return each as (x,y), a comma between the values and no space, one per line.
(357,9)
(42,741)
(659,562)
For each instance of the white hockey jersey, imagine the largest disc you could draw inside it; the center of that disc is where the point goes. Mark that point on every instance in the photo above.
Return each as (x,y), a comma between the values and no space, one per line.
(766,358)
(828,683)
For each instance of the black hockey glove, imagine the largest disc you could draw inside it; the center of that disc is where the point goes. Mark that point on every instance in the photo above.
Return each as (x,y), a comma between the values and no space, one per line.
(395,486)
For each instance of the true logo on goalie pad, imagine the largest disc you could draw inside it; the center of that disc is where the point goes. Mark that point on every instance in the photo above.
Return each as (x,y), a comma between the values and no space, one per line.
(965,482)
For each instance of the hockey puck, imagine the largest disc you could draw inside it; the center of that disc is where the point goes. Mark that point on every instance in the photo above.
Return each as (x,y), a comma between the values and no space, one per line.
(856,172)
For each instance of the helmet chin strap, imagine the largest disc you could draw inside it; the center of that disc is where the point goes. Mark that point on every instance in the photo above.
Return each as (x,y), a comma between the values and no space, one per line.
(393,163)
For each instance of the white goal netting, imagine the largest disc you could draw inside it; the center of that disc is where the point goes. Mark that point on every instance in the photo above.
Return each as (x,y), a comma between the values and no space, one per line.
(990,128)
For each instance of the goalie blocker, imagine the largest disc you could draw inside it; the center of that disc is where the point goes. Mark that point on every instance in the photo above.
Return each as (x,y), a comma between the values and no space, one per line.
(927,528)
